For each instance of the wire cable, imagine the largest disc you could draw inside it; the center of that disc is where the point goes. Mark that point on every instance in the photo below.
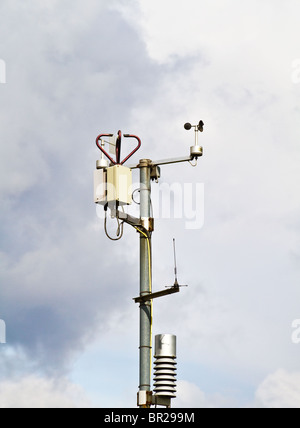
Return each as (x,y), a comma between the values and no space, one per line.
(194,164)
(119,235)
(136,190)
(119,232)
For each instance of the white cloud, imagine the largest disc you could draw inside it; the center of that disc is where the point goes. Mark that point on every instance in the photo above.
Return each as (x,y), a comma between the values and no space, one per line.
(227,64)
(279,390)
(37,392)
(173,28)
(189,395)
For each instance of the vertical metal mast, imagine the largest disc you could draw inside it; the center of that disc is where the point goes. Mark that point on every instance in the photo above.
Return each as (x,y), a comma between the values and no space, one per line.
(145,279)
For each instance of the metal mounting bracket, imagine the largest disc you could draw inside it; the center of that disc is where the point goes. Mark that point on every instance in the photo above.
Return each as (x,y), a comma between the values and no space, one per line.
(146,223)
(150,296)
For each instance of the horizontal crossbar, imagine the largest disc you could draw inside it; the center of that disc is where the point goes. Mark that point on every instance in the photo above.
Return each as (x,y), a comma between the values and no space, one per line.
(150,296)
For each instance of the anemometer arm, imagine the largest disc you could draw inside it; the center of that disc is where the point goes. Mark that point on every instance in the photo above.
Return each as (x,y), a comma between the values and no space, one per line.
(169,161)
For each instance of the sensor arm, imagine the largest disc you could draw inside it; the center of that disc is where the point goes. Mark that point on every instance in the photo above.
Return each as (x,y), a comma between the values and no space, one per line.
(133,221)
(167,161)
(151,296)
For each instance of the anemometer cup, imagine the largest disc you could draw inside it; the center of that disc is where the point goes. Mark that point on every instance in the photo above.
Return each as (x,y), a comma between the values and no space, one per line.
(198,127)
(187,126)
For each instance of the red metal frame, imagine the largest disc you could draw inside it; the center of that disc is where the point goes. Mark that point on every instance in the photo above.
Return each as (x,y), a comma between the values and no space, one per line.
(134,150)
(118,147)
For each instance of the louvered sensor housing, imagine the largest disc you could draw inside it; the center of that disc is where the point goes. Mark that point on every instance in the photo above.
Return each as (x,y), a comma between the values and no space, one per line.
(165,366)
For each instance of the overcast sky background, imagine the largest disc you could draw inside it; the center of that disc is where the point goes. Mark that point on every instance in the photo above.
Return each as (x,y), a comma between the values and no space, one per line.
(77,68)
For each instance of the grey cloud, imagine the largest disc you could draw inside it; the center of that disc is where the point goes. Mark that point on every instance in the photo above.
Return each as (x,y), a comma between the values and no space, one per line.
(67,83)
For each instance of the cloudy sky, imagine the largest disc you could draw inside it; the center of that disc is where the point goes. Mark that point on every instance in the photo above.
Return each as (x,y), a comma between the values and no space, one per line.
(71,70)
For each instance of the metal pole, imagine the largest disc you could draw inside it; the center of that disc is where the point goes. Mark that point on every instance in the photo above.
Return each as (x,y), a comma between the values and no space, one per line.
(145,278)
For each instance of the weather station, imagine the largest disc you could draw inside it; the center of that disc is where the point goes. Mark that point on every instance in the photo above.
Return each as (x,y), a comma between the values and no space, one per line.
(113,190)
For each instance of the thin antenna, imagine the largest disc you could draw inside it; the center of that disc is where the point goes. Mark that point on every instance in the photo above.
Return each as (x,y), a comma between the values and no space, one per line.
(175,285)
(175,265)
